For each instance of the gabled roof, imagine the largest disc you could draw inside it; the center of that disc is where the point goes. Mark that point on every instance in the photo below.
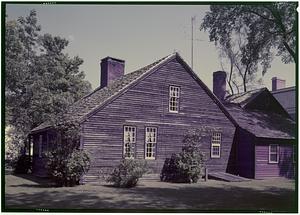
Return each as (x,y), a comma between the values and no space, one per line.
(244,98)
(99,96)
(92,102)
(263,124)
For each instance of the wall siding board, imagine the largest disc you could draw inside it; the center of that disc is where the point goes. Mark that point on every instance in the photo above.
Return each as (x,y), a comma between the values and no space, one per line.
(146,104)
(264,169)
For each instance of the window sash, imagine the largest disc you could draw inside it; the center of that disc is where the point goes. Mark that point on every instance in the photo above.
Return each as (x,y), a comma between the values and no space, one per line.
(215,151)
(216,139)
(273,153)
(129,140)
(150,142)
(174,93)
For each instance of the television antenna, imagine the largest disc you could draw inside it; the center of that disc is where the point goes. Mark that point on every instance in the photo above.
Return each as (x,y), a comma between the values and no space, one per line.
(192,45)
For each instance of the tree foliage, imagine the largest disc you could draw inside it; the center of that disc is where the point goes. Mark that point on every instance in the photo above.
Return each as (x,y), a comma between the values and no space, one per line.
(252,32)
(270,24)
(40,79)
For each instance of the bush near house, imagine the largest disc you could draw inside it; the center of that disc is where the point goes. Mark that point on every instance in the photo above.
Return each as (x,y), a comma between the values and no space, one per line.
(66,170)
(186,166)
(127,173)
(23,164)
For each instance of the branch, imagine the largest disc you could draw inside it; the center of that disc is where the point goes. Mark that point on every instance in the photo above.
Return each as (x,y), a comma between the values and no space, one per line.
(290,50)
(261,16)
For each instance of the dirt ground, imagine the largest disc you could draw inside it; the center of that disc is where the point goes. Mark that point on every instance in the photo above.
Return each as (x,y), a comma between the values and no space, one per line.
(272,195)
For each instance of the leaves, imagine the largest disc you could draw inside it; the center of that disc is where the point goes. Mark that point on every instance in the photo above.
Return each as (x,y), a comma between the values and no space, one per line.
(187,165)
(248,34)
(41,80)
(66,165)
(127,173)
(268,24)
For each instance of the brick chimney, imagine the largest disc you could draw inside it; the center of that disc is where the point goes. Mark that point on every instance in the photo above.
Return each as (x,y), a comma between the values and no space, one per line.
(219,84)
(111,69)
(277,83)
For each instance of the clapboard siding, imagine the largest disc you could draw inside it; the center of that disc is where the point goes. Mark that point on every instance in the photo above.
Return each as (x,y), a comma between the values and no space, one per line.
(284,167)
(146,104)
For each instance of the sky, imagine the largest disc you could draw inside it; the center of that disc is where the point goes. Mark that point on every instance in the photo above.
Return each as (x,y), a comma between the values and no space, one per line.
(138,34)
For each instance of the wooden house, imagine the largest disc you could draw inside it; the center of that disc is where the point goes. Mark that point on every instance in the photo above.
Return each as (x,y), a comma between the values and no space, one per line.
(145,114)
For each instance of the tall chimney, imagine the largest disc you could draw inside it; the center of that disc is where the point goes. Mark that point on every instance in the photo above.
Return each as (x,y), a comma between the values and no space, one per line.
(219,84)
(277,83)
(111,69)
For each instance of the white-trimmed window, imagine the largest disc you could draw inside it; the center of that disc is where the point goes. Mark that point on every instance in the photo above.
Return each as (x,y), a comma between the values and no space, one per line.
(150,142)
(216,145)
(174,93)
(40,145)
(129,141)
(273,153)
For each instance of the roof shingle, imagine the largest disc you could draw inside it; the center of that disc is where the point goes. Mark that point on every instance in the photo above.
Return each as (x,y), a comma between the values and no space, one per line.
(99,96)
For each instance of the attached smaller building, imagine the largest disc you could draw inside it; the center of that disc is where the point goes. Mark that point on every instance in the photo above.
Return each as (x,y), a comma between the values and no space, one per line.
(265,137)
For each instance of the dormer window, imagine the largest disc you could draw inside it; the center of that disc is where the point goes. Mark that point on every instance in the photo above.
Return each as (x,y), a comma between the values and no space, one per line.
(174,93)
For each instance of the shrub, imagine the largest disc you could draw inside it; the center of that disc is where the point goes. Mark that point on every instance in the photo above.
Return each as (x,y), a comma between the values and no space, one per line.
(23,164)
(127,173)
(186,166)
(14,142)
(66,169)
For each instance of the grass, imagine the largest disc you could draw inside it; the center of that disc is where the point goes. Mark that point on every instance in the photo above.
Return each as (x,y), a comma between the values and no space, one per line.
(273,195)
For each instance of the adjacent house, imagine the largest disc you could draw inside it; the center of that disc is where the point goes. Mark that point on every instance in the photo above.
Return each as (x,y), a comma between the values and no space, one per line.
(145,114)
(286,96)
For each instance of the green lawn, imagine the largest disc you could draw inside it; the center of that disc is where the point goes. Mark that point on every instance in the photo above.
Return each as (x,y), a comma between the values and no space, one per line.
(25,191)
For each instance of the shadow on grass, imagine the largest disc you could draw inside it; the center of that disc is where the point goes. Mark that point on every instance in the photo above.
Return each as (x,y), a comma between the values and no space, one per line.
(37,181)
(199,198)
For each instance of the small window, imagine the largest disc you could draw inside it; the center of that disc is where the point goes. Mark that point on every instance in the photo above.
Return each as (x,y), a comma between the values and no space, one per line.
(40,145)
(129,141)
(273,154)
(174,99)
(216,145)
(150,142)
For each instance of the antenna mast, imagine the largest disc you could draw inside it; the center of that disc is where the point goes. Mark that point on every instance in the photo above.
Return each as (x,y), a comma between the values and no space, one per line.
(192,47)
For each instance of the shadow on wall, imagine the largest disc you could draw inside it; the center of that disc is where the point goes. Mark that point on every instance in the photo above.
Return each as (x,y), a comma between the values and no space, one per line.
(286,165)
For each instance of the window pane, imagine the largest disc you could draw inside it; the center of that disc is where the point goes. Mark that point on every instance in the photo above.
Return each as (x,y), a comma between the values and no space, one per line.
(174,98)
(273,149)
(150,140)
(273,157)
(216,150)
(129,140)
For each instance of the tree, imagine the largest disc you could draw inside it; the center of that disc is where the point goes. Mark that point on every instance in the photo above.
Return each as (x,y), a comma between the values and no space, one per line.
(244,62)
(262,28)
(41,80)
